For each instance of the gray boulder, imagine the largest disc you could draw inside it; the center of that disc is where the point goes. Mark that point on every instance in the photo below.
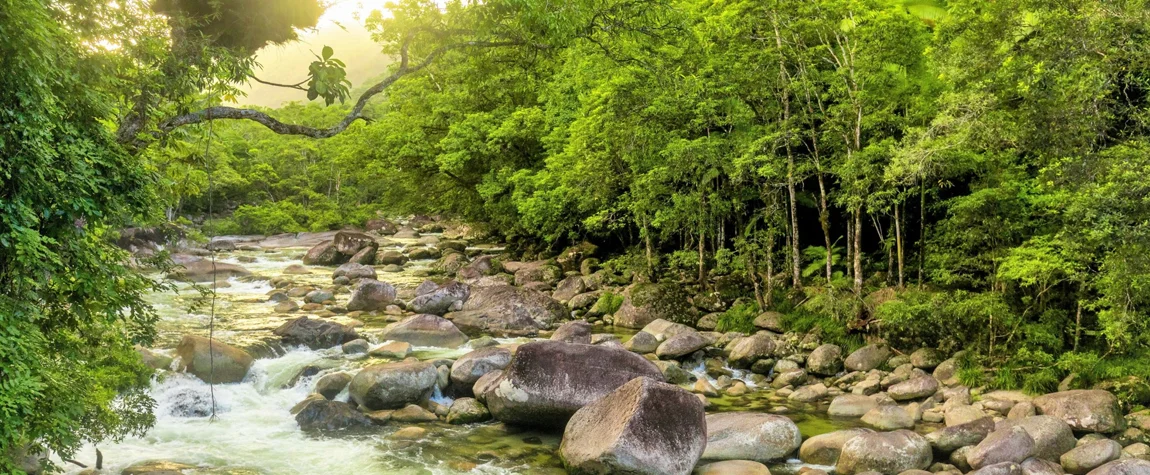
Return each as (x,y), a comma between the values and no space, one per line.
(750,436)
(393,385)
(316,334)
(371,294)
(889,453)
(330,416)
(915,388)
(851,405)
(330,385)
(426,330)
(826,360)
(1123,467)
(888,417)
(744,352)
(681,345)
(503,309)
(642,343)
(949,439)
(1012,444)
(1052,437)
(213,363)
(1087,410)
(575,331)
(470,367)
(824,449)
(867,358)
(1084,458)
(439,299)
(644,303)
(354,271)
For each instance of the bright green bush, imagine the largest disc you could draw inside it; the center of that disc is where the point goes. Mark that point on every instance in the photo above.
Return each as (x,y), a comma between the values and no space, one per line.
(739,318)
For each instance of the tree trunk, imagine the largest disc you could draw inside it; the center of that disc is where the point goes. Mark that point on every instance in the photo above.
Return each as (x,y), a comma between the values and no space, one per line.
(702,240)
(921,229)
(858,251)
(770,269)
(785,98)
(898,243)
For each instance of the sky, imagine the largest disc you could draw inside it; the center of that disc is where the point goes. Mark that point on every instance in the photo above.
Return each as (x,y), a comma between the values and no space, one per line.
(287,64)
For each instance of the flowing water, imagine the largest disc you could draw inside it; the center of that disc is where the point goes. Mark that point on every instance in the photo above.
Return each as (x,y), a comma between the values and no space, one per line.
(254,432)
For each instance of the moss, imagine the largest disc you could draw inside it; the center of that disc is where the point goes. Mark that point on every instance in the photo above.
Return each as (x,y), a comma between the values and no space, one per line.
(740,318)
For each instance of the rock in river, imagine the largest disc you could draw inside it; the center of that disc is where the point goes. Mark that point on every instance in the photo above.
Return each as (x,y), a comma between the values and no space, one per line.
(231,364)
(470,367)
(1088,410)
(889,453)
(643,427)
(503,309)
(547,381)
(371,294)
(750,436)
(440,299)
(393,385)
(426,330)
(316,334)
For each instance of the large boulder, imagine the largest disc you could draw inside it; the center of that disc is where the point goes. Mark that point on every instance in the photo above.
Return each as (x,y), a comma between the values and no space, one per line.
(426,330)
(1089,456)
(643,427)
(575,331)
(769,320)
(392,385)
(915,388)
(926,358)
(537,272)
(371,294)
(733,467)
(222,364)
(1087,410)
(1052,437)
(1011,444)
(826,360)
(744,352)
(324,254)
(204,271)
(888,417)
(867,358)
(440,299)
(851,405)
(643,303)
(480,267)
(888,453)
(681,345)
(949,439)
(353,271)
(348,243)
(547,381)
(315,334)
(1130,466)
(330,416)
(470,367)
(750,436)
(504,309)
(824,449)
(568,288)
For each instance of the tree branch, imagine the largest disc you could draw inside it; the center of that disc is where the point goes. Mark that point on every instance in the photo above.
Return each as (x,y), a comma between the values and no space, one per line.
(289,86)
(223,112)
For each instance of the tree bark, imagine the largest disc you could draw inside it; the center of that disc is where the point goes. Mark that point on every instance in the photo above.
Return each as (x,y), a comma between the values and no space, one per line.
(898,243)
(785,98)
(858,250)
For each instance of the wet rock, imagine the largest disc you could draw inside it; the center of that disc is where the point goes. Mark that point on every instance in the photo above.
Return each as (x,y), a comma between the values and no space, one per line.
(643,427)
(353,271)
(1090,410)
(663,329)
(584,300)
(867,358)
(750,436)
(324,254)
(355,347)
(888,417)
(188,402)
(642,343)
(286,307)
(1012,444)
(467,410)
(681,345)
(575,331)
(1052,437)
(315,333)
(809,393)
(547,381)
(413,414)
(884,452)
(568,288)
(396,350)
(390,257)
(470,367)
(826,360)
(503,309)
(746,351)
(824,449)
(644,303)
(154,360)
(479,268)
(1081,460)
(915,388)
(330,385)
(851,405)
(203,271)
(949,439)
(318,296)
(426,330)
(349,243)
(330,416)
(231,364)
(158,468)
(485,384)
(371,295)
(439,299)
(733,467)
(392,385)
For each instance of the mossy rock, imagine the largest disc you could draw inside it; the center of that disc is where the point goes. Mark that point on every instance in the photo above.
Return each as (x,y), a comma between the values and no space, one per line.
(646,302)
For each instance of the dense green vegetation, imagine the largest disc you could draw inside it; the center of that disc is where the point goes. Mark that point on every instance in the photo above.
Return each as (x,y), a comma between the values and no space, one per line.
(962,175)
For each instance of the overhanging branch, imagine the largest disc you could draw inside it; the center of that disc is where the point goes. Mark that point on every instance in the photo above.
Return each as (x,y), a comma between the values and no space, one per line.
(224,112)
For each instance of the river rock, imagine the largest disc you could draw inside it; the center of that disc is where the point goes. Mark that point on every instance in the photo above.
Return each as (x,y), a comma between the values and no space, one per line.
(643,427)
(961,414)
(547,381)
(356,347)
(642,343)
(467,410)
(575,331)
(426,330)
(733,467)
(231,363)
(348,243)
(1084,458)
(769,320)
(330,385)
(744,352)
(1037,466)
(1011,444)
(390,257)
(330,416)
(470,367)
(396,350)
(851,405)
(568,288)
(158,468)
(926,359)
(439,299)
(867,358)
(750,436)
(915,388)
(315,333)
(644,303)
(826,360)
(485,384)
(1052,437)
(392,385)
(824,449)
(1004,468)
(884,452)
(503,309)
(1087,410)
(1123,467)
(663,329)
(324,254)
(353,271)
(202,271)
(809,393)
(949,439)
(888,417)
(371,294)
(681,345)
